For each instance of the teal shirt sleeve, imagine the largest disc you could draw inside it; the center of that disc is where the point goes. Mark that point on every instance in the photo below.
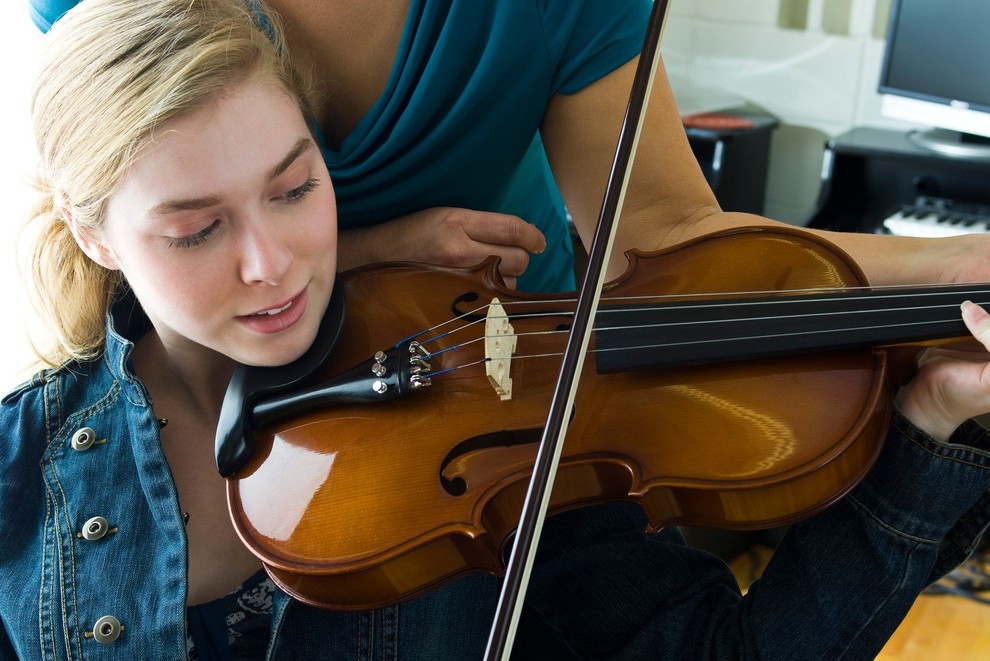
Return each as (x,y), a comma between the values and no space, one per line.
(592,38)
(44,13)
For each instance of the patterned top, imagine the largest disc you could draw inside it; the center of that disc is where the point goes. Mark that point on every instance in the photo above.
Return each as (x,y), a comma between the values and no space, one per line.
(236,626)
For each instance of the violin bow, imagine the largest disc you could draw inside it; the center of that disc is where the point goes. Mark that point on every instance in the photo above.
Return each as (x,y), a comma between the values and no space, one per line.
(534,507)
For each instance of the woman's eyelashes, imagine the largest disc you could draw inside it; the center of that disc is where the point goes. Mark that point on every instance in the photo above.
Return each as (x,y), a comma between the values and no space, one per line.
(194,239)
(300,192)
(294,195)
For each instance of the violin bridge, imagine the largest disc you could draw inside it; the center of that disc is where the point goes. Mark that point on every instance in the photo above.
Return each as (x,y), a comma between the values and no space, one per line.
(500,343)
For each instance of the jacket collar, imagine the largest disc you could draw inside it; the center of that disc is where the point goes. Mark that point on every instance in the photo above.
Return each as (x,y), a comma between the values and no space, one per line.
(126,323)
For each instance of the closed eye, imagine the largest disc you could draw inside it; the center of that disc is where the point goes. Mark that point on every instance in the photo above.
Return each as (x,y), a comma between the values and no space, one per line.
(194,239)
(299,193)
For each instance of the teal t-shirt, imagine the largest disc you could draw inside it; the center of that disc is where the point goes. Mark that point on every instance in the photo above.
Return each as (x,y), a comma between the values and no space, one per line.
(458,122)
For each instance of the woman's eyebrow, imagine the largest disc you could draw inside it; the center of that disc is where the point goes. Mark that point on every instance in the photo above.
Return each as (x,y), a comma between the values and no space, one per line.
(192,204)
(173,206)
(302,145)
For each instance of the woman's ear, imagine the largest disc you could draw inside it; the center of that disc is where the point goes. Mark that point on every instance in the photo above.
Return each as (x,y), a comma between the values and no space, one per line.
(91,244)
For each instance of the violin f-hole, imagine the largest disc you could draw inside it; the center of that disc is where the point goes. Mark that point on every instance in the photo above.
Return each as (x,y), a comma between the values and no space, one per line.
(466,315)
(515,448)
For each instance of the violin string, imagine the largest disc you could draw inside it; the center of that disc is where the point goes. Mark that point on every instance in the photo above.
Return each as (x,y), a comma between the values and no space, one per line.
(779,296)
(765,336)
(482,338)
(482,361)
(474,312)
(662,345)
(807,315)
(725,299)
(773,336)
(454,368)
(668,345)
(733,320)
(848,293)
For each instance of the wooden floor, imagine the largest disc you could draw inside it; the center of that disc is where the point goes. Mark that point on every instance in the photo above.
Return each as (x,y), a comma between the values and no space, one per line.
(938,627)
(942,627)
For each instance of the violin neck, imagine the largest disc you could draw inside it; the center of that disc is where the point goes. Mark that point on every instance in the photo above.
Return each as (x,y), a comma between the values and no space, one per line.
(717,329)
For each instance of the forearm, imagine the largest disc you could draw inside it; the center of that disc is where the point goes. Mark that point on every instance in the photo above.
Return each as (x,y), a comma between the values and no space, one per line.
(884,259)
(892,260)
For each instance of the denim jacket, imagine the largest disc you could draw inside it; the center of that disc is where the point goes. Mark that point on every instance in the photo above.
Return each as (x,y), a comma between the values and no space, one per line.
(93,557)
(95,562)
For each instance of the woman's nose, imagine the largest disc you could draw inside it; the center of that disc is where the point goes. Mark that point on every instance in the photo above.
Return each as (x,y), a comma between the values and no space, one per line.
(265,257)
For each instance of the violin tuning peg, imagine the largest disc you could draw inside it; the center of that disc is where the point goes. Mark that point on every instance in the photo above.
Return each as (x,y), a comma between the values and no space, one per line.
(417,348)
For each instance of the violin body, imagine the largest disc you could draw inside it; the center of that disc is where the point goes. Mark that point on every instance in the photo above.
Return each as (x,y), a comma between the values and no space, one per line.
(360,506)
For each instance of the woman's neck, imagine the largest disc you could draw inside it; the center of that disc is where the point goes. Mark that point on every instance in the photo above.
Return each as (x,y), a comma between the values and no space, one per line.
(187,389)
(191,380)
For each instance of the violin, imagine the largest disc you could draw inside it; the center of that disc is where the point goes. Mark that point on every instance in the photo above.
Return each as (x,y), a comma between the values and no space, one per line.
(737,410)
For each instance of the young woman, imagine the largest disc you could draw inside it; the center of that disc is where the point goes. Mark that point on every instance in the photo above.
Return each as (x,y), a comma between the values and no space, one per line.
(189,224)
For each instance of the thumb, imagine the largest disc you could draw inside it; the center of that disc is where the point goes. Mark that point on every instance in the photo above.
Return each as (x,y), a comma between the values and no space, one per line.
(977,320)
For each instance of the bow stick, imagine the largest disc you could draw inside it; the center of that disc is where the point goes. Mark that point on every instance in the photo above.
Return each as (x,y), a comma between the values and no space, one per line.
(548,455)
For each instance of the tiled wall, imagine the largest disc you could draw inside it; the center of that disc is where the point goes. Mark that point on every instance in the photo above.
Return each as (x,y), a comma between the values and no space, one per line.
(812,63)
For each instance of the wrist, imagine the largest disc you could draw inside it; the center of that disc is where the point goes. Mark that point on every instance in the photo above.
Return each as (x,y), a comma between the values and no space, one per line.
(928,418)
(358,247)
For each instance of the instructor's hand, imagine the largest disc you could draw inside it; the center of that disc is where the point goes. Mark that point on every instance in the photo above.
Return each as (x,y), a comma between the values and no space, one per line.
(447,237)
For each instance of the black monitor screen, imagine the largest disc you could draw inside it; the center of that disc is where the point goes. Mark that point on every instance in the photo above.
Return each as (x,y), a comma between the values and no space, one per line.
(939,50)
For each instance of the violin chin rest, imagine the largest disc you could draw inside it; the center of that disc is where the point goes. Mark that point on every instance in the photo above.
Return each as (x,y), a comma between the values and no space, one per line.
(234,443)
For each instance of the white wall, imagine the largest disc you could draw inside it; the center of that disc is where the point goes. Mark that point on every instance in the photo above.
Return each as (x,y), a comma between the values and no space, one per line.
(18,53)
(812,63)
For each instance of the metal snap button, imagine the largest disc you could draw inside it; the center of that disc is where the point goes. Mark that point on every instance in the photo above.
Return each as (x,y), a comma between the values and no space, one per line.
(95,528)
(107,629)
(83,439)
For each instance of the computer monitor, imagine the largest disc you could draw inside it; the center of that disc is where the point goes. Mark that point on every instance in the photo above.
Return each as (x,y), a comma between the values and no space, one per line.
(935,73)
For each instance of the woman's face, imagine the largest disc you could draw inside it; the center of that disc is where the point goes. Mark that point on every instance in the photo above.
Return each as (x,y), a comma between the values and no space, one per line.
(226,228)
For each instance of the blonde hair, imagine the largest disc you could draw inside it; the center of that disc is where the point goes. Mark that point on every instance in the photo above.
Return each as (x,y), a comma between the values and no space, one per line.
(114,70)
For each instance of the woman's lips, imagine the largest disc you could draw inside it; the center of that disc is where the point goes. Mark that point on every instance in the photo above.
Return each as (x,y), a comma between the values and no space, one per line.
(278,318)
